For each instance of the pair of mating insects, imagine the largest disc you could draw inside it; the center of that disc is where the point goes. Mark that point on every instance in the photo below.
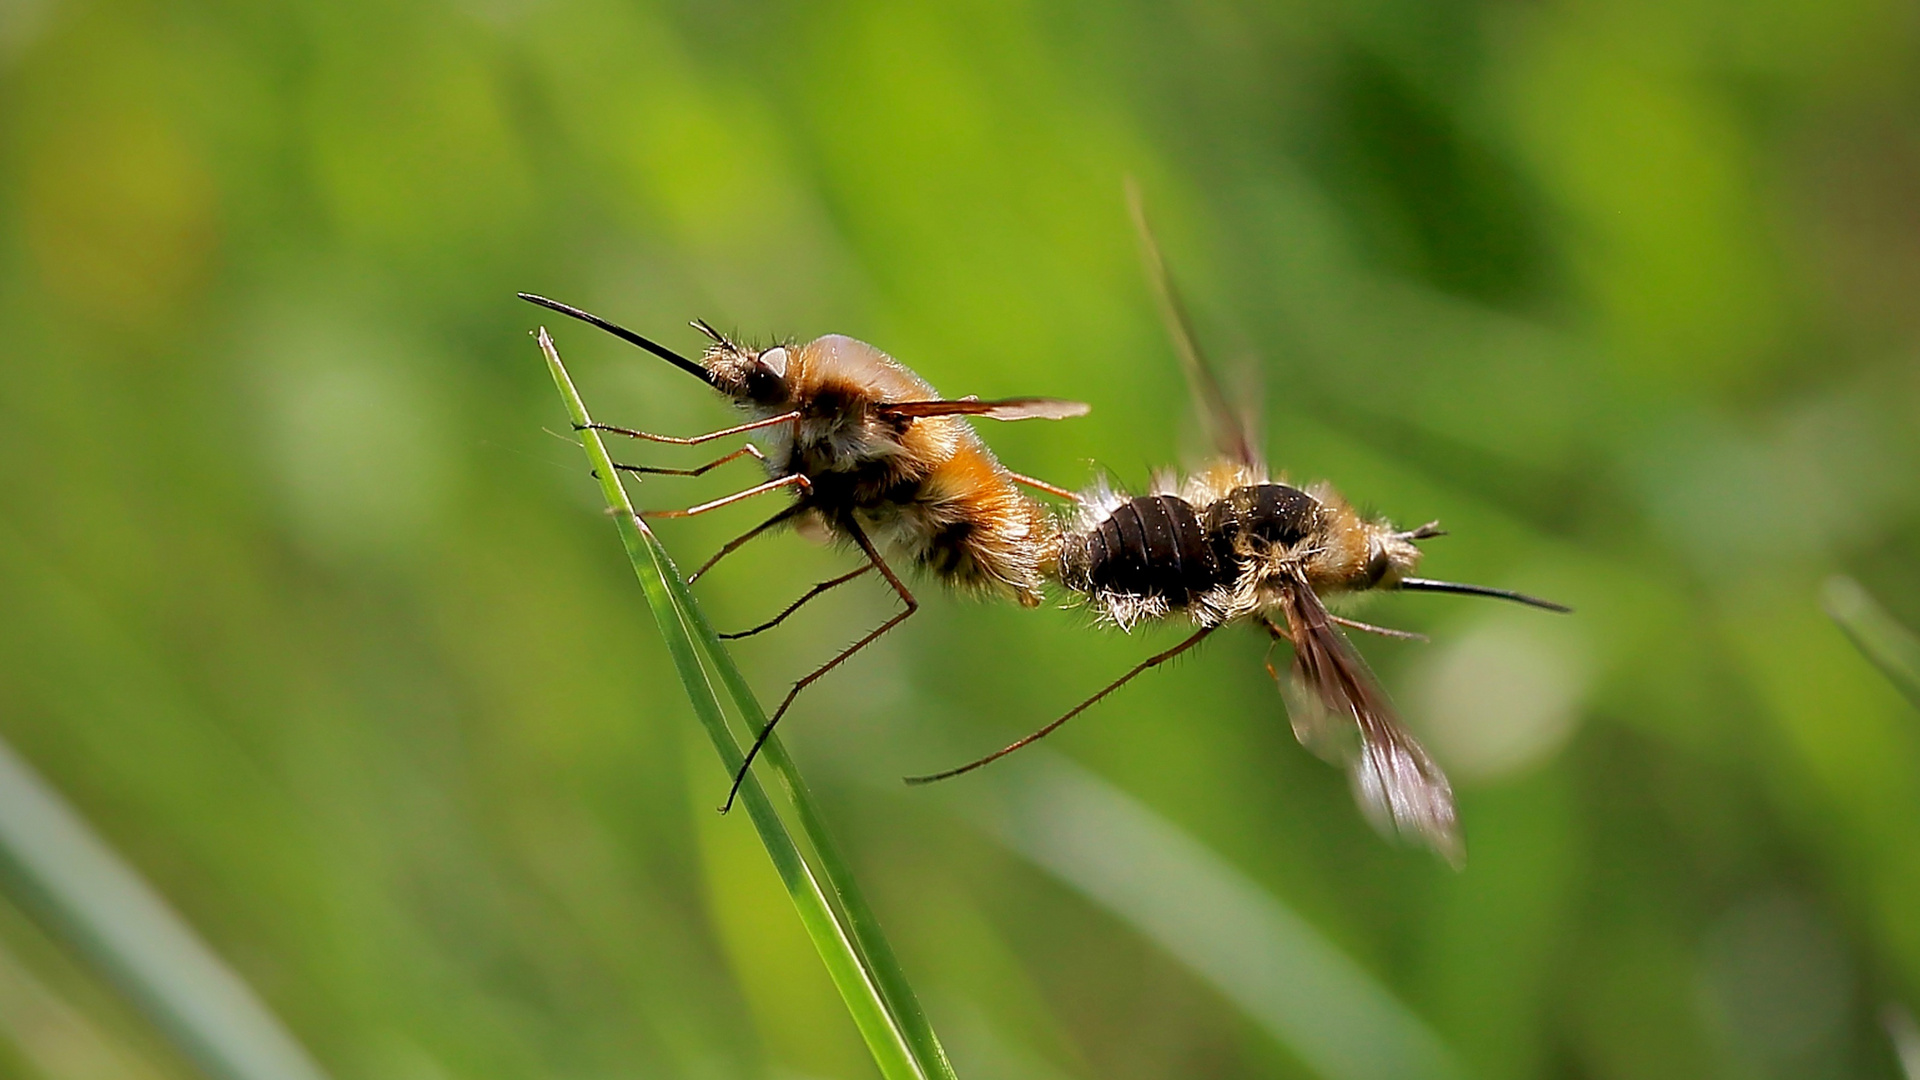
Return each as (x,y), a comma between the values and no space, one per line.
(875,457)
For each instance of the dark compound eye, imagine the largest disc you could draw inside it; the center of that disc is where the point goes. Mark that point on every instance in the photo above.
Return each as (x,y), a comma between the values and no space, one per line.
(1377,567)
(766,381)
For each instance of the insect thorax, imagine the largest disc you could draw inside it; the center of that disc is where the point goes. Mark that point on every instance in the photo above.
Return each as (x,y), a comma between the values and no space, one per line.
(1261,516)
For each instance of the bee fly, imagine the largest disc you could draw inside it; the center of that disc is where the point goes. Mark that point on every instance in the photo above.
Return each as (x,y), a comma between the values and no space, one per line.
(873,455)
(1232,543)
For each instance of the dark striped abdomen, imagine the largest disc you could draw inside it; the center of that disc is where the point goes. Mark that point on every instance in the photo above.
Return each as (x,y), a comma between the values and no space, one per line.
(1272,515)
(1152,546)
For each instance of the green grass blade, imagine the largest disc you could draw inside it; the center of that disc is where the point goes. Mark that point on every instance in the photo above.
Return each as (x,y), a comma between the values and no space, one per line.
(61,870)
(858,959)
(861,925)
(1263,957)
(1891,647)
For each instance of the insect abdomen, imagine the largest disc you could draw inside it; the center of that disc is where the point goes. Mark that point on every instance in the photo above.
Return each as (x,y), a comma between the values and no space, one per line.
(1152,546)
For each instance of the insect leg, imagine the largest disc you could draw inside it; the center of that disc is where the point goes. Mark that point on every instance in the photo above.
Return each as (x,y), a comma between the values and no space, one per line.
(1150,662)
(795,606)
(730,546)
(1383,631)
(873,556)
(1278,636)
(1042,485)
(749,450)
(783,418)
(790,480)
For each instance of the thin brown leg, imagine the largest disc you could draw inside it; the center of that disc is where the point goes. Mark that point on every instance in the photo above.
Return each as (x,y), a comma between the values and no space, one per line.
(1042,485)
(1383,631)
(795,606)
(792,480)
(749,450)
(873,556)
(1150,662)
(630,433)
(1278,636)
(729,547)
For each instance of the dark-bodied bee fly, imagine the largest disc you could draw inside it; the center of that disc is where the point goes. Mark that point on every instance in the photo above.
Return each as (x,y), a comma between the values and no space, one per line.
(874,456)
(1234,543)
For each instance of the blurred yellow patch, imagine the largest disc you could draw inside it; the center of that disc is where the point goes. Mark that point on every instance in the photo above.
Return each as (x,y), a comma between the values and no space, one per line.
(119,215)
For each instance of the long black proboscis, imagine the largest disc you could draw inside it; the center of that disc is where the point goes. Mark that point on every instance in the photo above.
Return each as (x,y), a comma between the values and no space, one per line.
(1415,584)
(623,334)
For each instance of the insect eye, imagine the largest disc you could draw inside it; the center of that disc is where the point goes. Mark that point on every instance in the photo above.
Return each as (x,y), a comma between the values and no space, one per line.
(775,361)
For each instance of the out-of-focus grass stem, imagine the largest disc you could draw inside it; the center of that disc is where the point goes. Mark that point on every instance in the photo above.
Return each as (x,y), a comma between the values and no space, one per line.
(58,868)
(1891,647)
(1268,961)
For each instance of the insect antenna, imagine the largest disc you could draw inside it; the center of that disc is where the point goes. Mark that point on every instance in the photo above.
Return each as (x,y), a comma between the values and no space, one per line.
(1414,584)
(719,338)
(623,334)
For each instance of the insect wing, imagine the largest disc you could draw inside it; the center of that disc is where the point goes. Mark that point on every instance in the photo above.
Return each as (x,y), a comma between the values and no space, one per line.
(1230,430)
(1331,737)
(1037,408)
(1332,696)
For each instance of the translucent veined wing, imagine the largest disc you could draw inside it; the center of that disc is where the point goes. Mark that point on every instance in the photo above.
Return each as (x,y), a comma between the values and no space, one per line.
(1332,696)
(1036,408)
(1230,430)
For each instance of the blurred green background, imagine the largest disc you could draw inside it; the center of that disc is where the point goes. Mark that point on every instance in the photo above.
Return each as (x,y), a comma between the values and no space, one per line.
(304,609)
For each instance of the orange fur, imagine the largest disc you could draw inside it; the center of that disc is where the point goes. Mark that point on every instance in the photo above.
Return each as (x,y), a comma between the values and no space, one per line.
(928,488)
